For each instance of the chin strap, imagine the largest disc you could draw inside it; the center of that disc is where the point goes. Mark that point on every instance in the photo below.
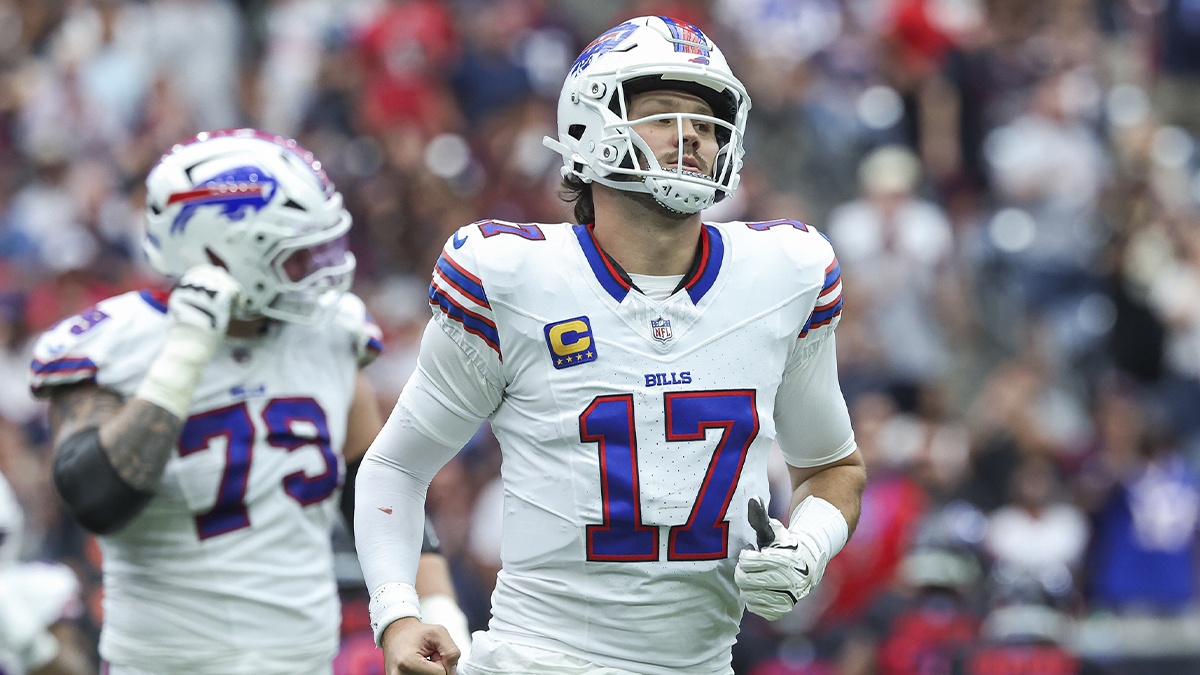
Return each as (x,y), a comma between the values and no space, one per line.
(663,189)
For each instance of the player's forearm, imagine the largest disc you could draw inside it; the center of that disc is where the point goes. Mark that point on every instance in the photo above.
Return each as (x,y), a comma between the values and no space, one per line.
(389,503)
(389,517)
(841,485)
(433,576)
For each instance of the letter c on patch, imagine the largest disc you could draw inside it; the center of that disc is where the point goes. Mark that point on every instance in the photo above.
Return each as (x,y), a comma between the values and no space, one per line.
(570,337)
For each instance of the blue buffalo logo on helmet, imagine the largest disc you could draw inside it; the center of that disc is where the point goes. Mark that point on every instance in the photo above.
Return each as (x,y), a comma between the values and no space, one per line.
(236,191)
(688,39)
(605,43)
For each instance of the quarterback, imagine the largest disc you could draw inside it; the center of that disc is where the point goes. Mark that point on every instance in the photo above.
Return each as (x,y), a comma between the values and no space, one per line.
(204,432)
(636,367)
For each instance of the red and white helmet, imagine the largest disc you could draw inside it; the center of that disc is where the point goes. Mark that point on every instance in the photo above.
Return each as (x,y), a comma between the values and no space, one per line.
(595,134)
(260,206)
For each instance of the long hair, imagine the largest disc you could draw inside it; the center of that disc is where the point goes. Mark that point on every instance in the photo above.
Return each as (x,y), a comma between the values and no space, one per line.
(575,190)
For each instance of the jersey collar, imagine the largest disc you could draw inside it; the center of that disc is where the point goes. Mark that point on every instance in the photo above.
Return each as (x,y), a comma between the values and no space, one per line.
(706,265)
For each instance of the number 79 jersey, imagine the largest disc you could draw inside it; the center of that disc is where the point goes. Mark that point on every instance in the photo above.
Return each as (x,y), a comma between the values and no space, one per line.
(633,431)
(232,555)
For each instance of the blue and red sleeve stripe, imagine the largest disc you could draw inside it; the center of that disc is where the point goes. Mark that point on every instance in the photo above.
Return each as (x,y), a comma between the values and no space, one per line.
(473,323)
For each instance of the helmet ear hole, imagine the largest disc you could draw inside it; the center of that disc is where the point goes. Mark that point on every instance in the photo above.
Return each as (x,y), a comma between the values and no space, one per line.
(576,131)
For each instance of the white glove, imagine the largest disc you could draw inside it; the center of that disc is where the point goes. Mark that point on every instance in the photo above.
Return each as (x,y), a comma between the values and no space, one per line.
(789,563)
(199,309)
(204,298)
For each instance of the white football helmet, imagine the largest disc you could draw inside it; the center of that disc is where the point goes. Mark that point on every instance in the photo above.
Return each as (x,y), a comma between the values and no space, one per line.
(260,206)
(595,134)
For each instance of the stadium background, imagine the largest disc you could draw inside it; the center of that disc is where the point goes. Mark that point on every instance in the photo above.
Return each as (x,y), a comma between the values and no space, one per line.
(1012,186)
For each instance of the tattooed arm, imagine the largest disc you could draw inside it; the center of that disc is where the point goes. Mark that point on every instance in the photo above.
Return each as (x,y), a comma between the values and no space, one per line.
(136,436)
(109,454)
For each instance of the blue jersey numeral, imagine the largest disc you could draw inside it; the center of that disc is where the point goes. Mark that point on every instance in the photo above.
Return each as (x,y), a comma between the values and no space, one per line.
(490,229)
(622,536)
(608,421)
(281,415)
(283,418)
(768,224)
(228,513)
(87,320)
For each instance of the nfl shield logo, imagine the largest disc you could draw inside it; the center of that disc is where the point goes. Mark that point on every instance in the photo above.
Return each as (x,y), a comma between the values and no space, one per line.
(661,329)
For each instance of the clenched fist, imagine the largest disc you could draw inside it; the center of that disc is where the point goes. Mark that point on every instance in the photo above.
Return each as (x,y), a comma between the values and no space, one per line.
(204,298)
(785,568)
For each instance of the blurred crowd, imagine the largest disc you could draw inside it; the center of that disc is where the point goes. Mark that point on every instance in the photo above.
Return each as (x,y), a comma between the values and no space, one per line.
(1012,188)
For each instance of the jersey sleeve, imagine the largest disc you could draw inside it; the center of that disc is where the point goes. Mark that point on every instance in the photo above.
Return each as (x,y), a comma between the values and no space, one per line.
(811,418)
(441,407)
(459,300)
(105,344)
(366,337)
(827,310)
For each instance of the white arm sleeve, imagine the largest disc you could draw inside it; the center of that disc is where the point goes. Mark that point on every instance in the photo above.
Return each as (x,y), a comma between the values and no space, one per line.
(439,410)
(811,418)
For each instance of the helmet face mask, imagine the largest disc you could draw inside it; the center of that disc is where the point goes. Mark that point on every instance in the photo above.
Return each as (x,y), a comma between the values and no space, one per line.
(596,137)
(260,206)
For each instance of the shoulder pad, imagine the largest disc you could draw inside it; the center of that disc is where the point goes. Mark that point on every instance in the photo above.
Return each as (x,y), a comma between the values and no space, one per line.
(366,336)
(827,310)
(806,250)
(458,294)
(103,342)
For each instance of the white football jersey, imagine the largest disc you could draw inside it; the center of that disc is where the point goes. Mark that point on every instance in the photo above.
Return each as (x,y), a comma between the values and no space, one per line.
(230,563)
(634,431)
(48,593)
(42,594)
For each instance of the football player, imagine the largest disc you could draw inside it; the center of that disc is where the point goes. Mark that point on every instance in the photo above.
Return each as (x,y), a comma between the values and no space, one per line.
(39,603)
(204,433)
(636,367)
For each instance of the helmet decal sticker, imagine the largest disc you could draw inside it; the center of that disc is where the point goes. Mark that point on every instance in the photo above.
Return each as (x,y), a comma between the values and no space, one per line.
(603,44)
(688,39)
(261,205)
(237,191)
